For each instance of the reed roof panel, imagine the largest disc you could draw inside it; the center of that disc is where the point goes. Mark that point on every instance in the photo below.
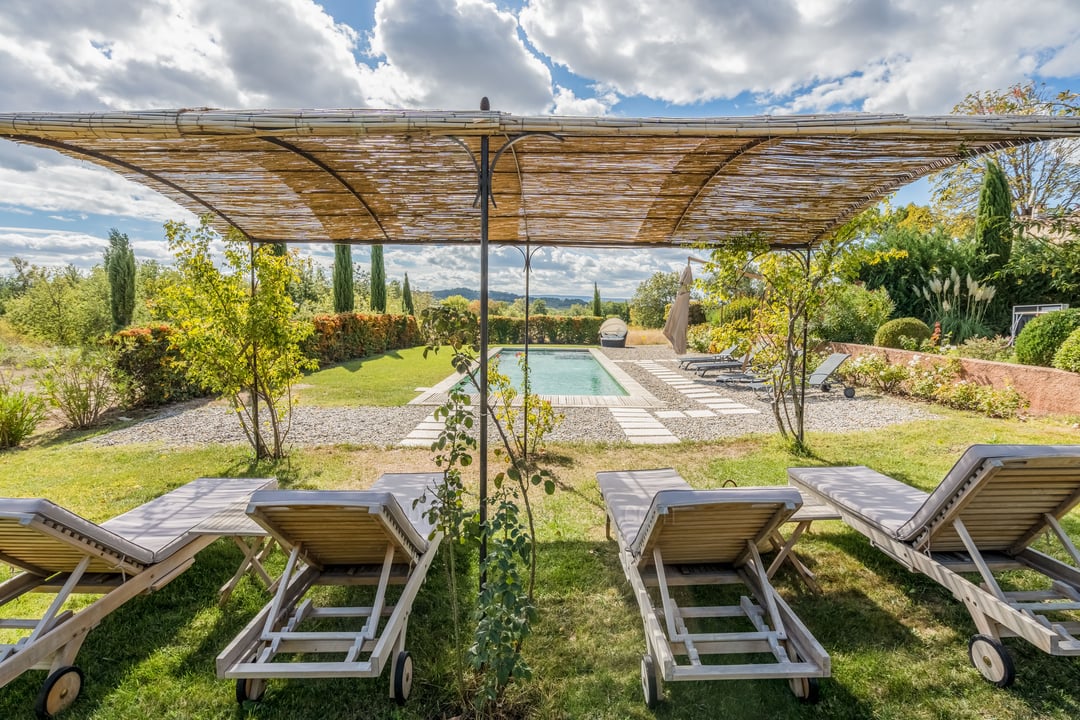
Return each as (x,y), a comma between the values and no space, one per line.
(409,177)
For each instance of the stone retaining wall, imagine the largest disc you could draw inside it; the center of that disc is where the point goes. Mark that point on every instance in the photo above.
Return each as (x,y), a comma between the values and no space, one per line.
(1047,389)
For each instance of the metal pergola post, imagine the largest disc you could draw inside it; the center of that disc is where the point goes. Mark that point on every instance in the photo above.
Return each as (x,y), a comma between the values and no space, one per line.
(485,198)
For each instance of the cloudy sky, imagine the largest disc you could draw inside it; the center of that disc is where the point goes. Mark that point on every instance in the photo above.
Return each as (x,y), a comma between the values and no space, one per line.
(570,57)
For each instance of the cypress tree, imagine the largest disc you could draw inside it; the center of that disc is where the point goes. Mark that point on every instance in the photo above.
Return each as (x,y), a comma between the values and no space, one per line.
(343,279)
(120,268)
(597,308)
(993,236)
(406,297)
(378,280)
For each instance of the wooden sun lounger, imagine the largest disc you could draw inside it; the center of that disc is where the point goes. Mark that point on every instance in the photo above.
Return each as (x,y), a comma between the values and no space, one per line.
(64,554)
(371,537)
(982,518)
(686,362)
(670,535)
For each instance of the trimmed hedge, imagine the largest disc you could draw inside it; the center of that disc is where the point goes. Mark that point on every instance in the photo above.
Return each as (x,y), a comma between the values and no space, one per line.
(889,334)
(558,329)
(347,336)
(1067,356)
(145,357)
(1043,335)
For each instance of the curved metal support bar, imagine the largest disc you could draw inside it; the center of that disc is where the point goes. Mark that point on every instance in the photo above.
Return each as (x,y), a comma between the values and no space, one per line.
(476,166)
(102,157)
(512,141)
(332,173)
(509,144)
(719,168)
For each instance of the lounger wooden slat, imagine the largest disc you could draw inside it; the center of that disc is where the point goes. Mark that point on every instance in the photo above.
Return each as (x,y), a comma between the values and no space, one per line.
(670,535)
(63,554)
(374,537)
(995,502)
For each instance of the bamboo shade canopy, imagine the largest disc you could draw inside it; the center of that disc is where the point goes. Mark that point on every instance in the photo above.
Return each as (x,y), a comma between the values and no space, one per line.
(410,177)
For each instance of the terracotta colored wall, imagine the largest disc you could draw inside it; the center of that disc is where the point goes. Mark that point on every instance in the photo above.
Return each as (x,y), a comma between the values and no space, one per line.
(1047,389)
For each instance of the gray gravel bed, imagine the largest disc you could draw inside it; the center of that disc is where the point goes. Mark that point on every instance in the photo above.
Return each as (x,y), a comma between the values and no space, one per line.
(202,423)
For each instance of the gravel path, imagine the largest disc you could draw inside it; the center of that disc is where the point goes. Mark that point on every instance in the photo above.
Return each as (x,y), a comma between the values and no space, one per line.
(201,423)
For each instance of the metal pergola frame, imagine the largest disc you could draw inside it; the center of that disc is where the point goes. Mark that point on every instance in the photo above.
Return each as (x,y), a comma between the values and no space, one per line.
(364,176)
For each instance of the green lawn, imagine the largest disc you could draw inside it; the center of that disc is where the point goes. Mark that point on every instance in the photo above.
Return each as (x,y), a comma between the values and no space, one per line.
(898,641)
(383,380)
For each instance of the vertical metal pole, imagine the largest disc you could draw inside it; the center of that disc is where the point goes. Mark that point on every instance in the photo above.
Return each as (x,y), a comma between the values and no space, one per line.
(259,452)
(485,196)
(525,399)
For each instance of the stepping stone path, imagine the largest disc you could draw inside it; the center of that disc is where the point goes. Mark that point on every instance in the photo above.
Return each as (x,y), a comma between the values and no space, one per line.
(641,428)
(423,434)
(717,403)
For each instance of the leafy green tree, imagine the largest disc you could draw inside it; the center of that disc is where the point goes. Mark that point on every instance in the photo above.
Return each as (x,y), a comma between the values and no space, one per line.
(459,303)
(406,298)
(597,307)
(62,306)
(361,287)
(313,291)
(378,280)
(993,223)
(344,300)
(901,258)
(616,309)
(1044,177)
(799,285)
(853,314)
(652,296)
(235,331)
(120,268)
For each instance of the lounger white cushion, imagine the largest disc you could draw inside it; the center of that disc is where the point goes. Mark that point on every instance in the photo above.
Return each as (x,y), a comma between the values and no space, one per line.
(628,495)
(878,499)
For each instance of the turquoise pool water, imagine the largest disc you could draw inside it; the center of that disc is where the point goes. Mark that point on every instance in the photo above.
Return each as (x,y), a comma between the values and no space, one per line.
(560,372)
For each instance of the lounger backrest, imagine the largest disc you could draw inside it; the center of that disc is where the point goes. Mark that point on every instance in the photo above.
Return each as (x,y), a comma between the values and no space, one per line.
(712,526)
(1001,493)
(338,528)
(41,537)
(827,367)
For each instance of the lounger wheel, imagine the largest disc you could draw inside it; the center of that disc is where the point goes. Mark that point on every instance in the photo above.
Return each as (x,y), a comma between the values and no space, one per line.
(402,677)
(849,392)
(59,691)
(649,684)
(807,689)
(251,689)
(991,659)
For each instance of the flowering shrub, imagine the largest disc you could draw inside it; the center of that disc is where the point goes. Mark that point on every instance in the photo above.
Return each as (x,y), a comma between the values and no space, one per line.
(934,382)
(873,370)
(981,348)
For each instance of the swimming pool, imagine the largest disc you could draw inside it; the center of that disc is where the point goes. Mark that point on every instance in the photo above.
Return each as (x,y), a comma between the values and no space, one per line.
(560,372)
